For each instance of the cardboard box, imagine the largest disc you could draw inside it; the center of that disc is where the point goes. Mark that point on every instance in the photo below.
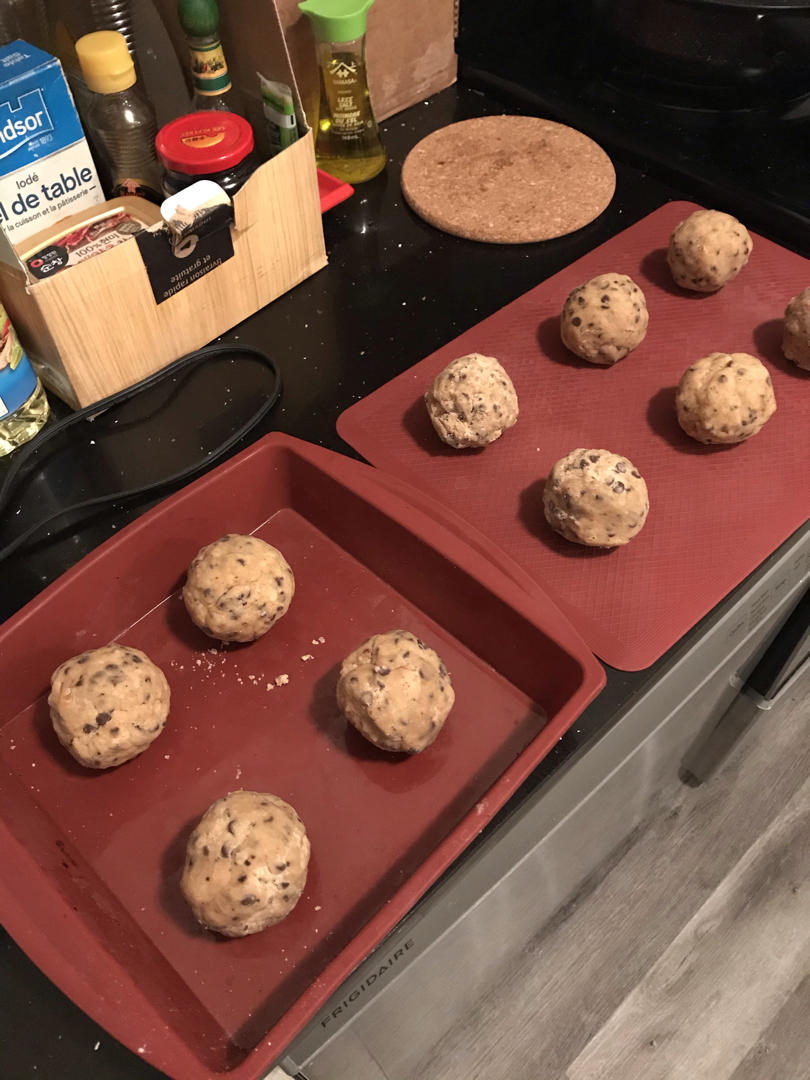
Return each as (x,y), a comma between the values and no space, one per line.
(410,49)
(46,170)
(97,327)
(410,52)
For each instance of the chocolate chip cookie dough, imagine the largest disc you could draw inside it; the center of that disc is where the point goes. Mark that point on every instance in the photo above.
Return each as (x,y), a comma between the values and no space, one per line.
(396,691)
(246,863)
(237,588)
(108,705)
(472,402)
(796,333)
(708,250)
(604,319)
(596,498)
(725,398)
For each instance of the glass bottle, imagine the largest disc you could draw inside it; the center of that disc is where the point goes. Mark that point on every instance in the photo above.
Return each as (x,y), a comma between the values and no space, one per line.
(158,69)
(118,118)
(347,138)
(209,68)
(23,405)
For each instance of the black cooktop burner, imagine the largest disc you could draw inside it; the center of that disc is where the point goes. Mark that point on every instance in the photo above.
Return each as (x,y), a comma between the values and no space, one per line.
(693,106)
(738,148)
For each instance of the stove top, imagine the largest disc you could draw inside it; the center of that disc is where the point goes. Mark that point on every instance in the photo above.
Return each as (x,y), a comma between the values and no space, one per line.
(742,148)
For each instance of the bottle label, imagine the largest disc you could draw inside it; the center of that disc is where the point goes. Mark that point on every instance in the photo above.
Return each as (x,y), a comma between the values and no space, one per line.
(209,69)
(346,94)
(18,380)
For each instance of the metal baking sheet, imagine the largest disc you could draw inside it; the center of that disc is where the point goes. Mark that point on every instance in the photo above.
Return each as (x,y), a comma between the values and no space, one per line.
(92,860)
(716,512)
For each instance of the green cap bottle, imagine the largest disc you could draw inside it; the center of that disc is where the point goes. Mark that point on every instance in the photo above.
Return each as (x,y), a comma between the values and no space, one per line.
(209,67)
(337,20)
(199,18)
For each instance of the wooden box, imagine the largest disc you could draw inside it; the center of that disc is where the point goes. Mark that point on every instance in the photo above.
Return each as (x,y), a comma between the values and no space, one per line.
(96,328)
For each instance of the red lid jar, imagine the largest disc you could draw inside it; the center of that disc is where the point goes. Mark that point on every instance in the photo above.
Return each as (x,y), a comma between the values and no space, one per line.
(210,145)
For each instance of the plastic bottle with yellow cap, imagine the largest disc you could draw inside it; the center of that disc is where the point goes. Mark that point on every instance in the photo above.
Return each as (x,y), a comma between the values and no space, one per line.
(119,119)
(347,139)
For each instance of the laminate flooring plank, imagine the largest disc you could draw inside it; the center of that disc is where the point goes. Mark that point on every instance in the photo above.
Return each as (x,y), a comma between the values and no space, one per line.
(544,1010)
(783,1051)
(727,974)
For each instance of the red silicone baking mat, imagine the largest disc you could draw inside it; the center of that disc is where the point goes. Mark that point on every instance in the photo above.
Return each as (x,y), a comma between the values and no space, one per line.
(92,860)
(715,514)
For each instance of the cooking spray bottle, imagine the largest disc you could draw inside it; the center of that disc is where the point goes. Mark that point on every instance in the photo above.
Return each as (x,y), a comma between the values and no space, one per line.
(347,138)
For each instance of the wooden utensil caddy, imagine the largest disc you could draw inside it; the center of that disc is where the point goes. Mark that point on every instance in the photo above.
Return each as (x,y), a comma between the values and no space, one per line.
(96,328)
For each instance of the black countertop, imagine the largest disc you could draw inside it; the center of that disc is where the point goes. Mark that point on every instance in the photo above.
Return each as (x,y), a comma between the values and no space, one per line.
(395,290)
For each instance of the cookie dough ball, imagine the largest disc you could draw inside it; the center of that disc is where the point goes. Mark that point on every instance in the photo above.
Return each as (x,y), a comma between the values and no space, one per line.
(796,336)
(597,498)
(708,250)
(472,402)
(725,398)
(604,319)
(246,863)
(108,705)
(396,691)
(237,588)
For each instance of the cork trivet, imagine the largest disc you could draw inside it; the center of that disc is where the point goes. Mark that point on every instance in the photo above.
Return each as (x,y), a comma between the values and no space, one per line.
(508,179)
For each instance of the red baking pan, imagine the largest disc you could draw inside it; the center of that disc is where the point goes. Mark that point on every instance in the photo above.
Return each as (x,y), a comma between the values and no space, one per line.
(92,860)
(715,512)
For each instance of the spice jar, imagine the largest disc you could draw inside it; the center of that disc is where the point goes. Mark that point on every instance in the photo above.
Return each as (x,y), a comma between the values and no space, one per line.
(207,145)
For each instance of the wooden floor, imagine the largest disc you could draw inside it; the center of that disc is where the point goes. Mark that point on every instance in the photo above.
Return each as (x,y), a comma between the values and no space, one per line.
(688,956)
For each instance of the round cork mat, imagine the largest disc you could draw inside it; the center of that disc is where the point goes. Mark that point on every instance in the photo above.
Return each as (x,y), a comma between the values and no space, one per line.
(508,179)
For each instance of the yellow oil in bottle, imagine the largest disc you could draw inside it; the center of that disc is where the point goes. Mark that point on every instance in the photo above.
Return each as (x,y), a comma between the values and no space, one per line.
(347,140)
(23,405)
(22,425)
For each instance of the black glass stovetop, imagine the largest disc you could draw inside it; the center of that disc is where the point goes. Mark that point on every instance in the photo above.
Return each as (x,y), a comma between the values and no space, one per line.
(737,148)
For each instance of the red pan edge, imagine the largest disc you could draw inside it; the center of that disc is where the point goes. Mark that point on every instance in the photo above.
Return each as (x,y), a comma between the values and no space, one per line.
(332,191)
(61,943)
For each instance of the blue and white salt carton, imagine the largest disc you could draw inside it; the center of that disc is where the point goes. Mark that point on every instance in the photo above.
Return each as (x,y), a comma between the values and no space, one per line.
(46,170)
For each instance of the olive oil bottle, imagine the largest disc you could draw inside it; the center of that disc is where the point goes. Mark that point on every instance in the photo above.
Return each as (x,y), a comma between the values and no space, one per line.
(347,138)
(23,404)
